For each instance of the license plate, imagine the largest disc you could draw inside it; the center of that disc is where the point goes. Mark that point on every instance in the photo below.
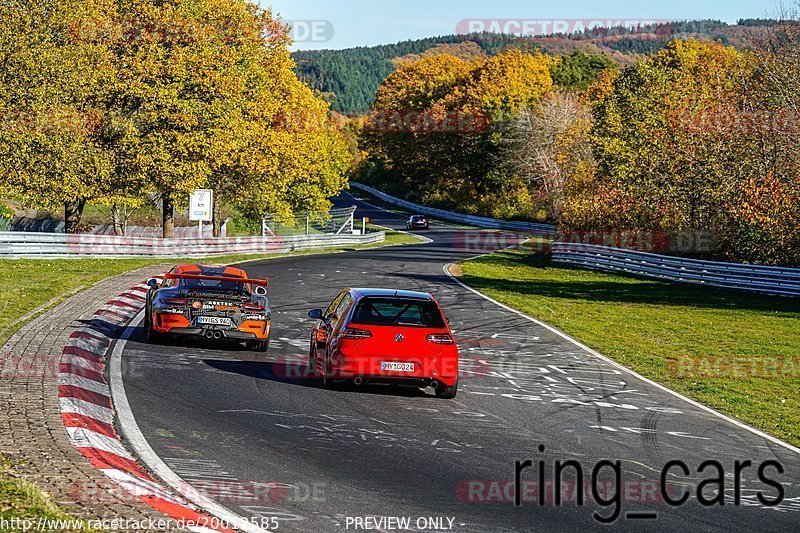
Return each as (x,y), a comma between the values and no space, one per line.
(213,321)
(397,367)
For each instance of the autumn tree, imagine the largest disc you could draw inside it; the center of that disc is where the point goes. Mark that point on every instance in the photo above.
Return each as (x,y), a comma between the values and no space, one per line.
(53,94)
(656,136)
(109,101)
(701,137)
(580,69)
(548,145)
(209,88)
(436,122)
(765,210)
(401,133)
(296,158)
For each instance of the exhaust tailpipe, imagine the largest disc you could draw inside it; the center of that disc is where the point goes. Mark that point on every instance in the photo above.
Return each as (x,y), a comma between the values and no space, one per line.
(434,384)
(217,335)
(209,334)
(358,381)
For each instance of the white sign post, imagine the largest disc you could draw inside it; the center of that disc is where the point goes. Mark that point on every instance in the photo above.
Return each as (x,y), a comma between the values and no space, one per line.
(201,208)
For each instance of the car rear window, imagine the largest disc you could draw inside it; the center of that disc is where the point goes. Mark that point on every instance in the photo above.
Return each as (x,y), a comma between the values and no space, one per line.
(398,312)
(201,285)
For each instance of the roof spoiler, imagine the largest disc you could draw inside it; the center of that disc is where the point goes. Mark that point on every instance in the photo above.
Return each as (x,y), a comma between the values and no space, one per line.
(262,282)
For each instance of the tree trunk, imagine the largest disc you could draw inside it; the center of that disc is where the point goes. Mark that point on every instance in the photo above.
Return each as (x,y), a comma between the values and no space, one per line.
(116,220)
(168,217)
(216,221)
(73,211)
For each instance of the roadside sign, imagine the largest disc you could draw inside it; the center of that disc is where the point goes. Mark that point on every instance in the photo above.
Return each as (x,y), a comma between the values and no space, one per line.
(201,206)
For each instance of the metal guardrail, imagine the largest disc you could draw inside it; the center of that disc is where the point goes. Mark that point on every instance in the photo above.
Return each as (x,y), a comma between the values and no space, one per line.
(481,222)
(19,245)
(753,278)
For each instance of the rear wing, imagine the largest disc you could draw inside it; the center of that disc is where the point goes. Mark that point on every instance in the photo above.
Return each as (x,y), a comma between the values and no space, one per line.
(261,282)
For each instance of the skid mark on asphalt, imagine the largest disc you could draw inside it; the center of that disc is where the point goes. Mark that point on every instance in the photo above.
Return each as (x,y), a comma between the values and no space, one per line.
(357,431)
(524,371)
(258,499)
(512,360)
(530,364)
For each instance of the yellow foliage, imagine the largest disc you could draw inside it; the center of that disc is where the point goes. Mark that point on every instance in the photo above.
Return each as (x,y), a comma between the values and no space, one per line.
(110,100)
(504,84)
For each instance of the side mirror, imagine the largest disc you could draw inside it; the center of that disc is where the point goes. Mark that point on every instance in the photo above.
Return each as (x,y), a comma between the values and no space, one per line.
(260,290)
(153,283)
(315,314)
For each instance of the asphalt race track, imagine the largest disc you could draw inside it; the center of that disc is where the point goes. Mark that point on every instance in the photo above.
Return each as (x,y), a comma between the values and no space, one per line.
(264,440)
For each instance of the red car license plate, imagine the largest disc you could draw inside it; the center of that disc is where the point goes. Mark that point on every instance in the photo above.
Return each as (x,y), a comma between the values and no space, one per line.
(397,367)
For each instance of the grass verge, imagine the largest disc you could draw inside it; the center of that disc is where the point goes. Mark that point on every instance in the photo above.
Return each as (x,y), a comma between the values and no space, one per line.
(31,286)
(736,352)
(38,284)
(21,500)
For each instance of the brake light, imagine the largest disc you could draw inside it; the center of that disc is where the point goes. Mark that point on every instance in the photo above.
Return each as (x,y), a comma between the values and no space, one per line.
(356,334)
(180,303)
(440,339)
(253,307)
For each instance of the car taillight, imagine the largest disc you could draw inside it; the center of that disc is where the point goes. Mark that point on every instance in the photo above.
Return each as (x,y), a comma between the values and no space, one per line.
(178,303)
(356,334)
(253,307)
(440,339)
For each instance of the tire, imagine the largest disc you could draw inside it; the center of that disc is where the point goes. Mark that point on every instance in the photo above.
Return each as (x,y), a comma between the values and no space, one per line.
(259,346)
(152,337)
(312,363)
(327,380)
(447,393)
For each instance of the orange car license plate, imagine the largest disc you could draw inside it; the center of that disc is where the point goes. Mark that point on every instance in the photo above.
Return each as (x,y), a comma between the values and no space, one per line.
(214,321)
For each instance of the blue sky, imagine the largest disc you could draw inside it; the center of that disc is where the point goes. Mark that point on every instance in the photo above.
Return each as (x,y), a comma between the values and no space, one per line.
(366,23)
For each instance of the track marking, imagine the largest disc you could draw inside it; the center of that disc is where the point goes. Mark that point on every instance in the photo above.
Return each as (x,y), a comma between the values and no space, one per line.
(133,436)
(625,369)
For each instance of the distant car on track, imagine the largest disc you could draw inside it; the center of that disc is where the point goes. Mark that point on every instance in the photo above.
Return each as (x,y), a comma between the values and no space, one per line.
(384,336)
(212,302)
(417,222)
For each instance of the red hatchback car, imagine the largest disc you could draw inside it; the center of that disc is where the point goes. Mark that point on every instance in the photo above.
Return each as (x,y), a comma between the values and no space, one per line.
(385,336)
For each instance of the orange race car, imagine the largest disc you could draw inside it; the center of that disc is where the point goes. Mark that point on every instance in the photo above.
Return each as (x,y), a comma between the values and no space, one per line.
(212,302)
